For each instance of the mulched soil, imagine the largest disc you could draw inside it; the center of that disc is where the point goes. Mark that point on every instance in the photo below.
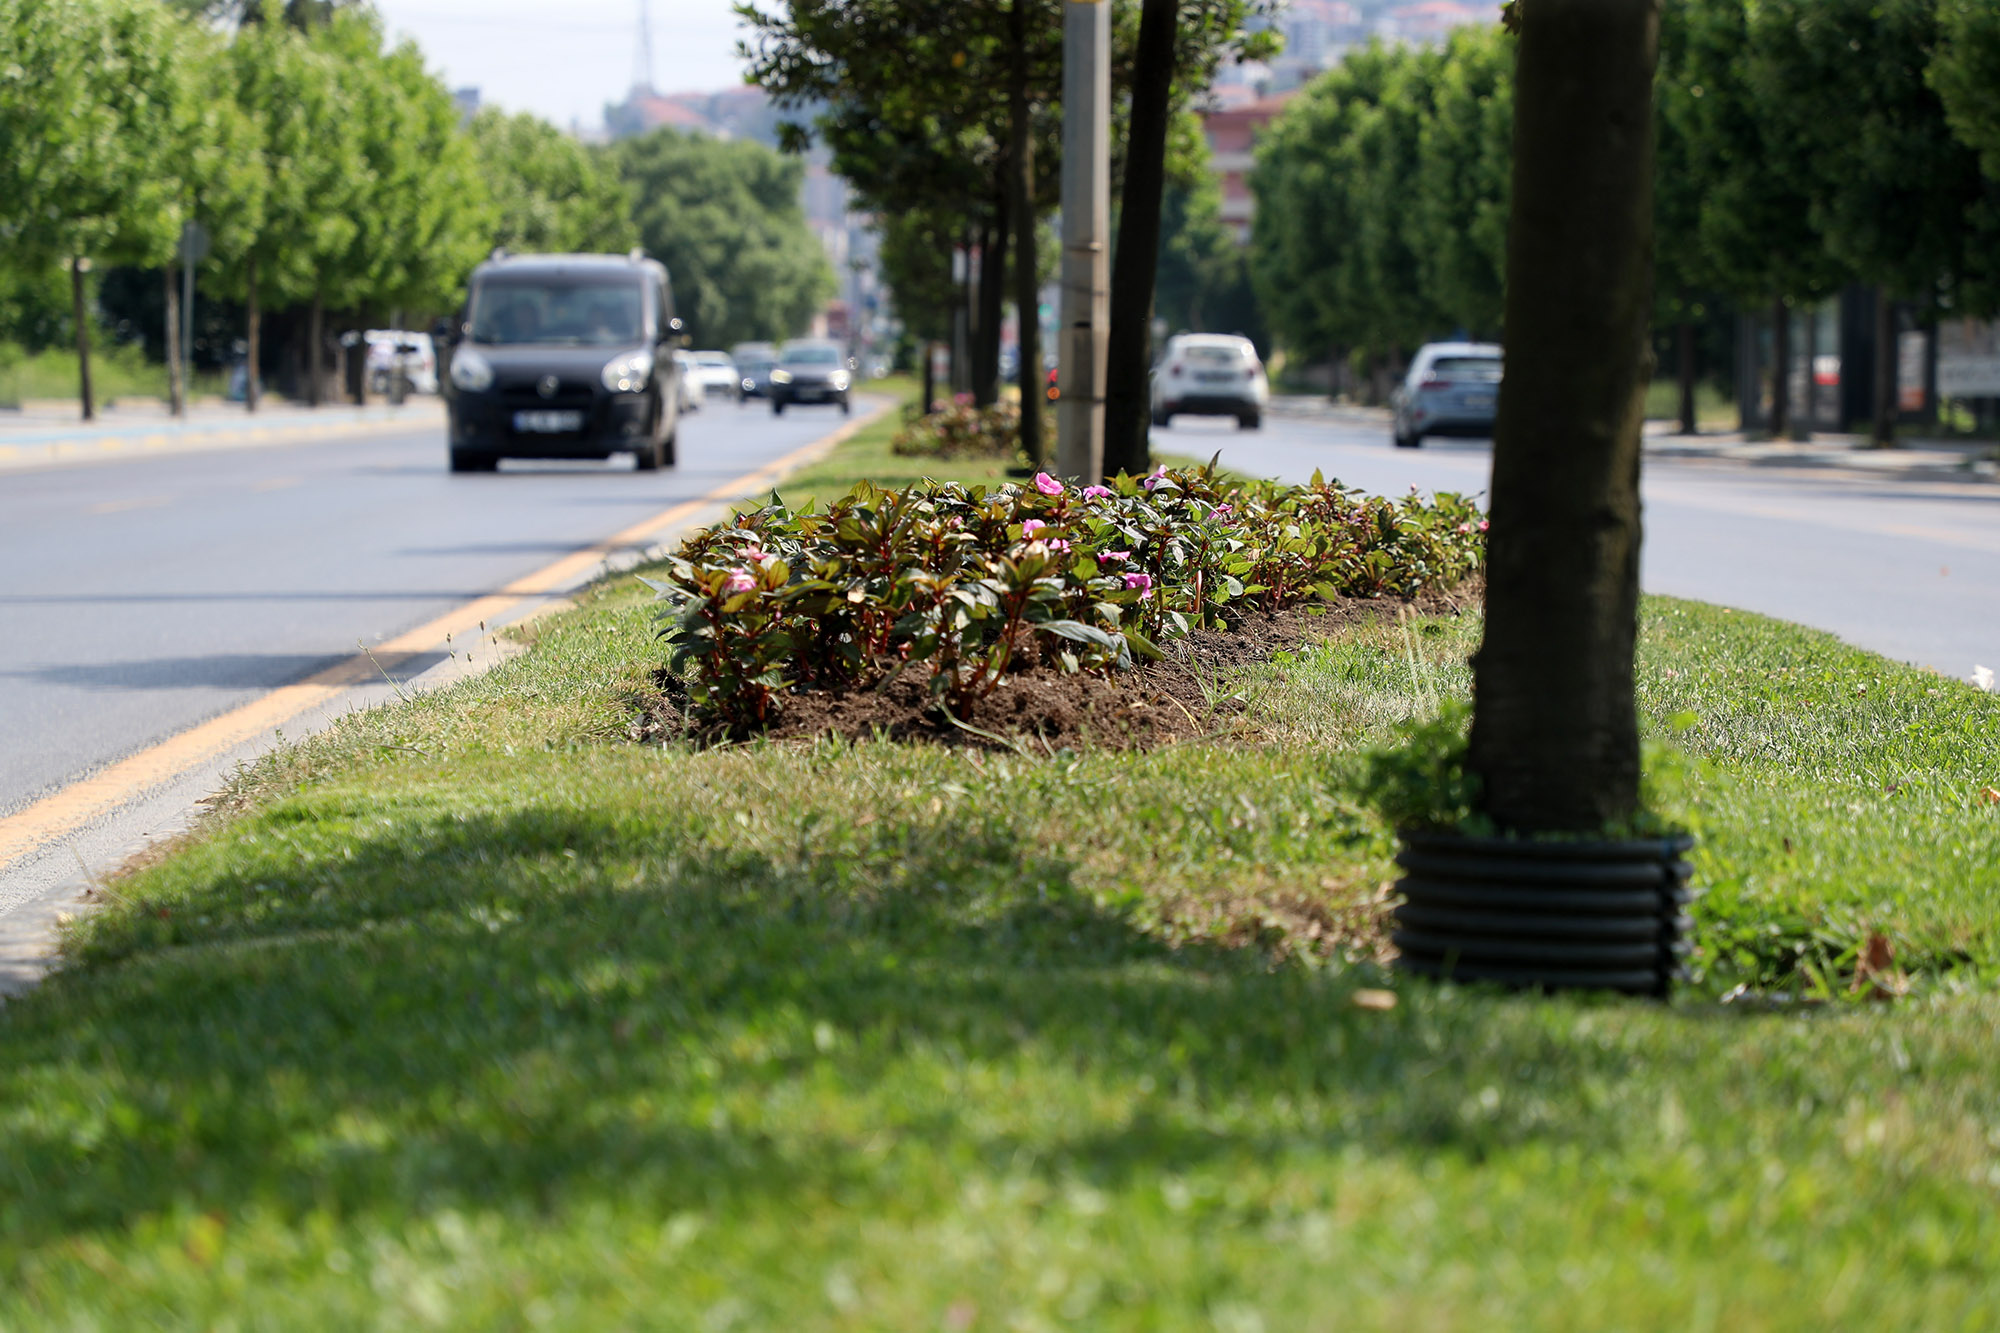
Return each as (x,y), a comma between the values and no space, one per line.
(1041,710)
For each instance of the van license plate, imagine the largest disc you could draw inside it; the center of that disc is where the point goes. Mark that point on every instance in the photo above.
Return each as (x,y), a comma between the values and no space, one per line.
(547,423)
(1479,400)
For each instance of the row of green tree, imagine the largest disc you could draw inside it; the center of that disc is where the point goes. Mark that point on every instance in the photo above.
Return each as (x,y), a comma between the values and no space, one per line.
(1802,145)
(332,172)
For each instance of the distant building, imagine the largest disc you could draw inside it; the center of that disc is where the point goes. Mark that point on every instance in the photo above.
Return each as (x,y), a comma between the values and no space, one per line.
(1232,135)
(467,102)
(644,110)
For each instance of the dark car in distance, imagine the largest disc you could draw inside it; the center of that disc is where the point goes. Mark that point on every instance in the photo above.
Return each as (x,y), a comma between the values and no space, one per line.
(810,370)
(564,356)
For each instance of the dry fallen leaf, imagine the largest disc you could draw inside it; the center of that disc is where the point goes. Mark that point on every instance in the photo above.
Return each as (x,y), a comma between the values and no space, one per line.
(1874,968)
(1379,1000)
(1990,795)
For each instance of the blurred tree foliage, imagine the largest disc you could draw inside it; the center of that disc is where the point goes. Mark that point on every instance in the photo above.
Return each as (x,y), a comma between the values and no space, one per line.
(551,194)
(334,179)
(724,217)
(1802,144)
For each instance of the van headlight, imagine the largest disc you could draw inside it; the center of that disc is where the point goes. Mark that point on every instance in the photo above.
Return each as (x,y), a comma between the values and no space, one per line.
(470,371)
(628,373)
(839,380)
(781,377)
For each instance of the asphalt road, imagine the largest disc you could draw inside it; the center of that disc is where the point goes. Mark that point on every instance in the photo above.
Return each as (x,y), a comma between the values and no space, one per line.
(142,597)
(1908,568)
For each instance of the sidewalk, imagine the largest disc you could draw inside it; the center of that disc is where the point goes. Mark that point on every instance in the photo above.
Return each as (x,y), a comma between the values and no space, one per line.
(1933,460)
(39,436)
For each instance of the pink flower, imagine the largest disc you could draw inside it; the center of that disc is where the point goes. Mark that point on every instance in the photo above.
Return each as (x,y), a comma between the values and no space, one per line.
(1047,485)
(1482,525)
(1142,582)
(1097,492)
(1465,527)
(1029,527)
(1220,510)
(1154,478)
(1057,544)
(1117,555)
(741,581)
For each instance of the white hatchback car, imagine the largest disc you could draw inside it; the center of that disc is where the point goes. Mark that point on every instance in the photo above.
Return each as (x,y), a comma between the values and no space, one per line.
(714,372)
(1210,374)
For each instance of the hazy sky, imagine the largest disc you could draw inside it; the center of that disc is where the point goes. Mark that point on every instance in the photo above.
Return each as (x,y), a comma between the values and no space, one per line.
(564,59)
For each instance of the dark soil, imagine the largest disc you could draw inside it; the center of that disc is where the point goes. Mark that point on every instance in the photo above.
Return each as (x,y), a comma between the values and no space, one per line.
(1042,710)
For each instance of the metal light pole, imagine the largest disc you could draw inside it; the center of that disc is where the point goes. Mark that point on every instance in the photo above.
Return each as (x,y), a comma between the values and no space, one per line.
(961,361)
(1084,338)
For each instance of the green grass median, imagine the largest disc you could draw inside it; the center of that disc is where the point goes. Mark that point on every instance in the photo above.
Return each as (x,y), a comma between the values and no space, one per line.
(475,1013)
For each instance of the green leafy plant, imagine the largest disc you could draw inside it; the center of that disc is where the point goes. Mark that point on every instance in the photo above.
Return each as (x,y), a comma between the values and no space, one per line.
(965,584)
(960,430)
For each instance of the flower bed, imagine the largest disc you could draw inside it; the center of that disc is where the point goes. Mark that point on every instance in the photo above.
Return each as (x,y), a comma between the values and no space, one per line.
(957,587)
(960,430)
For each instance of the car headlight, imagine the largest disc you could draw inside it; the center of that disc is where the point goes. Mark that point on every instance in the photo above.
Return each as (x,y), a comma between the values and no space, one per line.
(628,373)
(781,377)
(839,380)
(470,371)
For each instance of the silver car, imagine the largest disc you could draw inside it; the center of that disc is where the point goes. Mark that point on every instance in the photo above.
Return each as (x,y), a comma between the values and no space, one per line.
(1452,389)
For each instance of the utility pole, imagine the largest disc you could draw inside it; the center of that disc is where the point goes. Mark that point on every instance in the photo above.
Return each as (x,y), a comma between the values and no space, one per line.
(1084,337)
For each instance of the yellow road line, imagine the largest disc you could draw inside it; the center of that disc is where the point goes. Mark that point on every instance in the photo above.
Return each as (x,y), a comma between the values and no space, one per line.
(74,806)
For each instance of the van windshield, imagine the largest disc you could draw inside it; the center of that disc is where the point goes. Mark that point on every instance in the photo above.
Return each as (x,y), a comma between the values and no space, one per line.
(558,309)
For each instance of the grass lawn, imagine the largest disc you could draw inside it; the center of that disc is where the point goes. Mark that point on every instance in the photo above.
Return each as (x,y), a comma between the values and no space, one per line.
(477,1015)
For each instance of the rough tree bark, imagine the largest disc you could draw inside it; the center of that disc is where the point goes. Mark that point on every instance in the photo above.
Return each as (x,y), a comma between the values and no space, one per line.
(176,386)
(1555,735)
(252,327)
(1127,386)
(315,347)
(80,313)
(991,310)
(1781,370)
(1885,368)
(1684,352)
(1027,264)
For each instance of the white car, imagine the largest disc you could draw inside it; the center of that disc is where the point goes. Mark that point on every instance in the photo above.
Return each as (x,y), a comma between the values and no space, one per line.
(714,372)
(690,390)
(416,353)
(1210,374)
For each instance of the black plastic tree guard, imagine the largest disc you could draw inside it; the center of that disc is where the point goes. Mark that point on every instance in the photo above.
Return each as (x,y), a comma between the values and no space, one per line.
(1550,915)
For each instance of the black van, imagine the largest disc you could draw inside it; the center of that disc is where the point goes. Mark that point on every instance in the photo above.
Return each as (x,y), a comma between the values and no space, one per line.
(564,356)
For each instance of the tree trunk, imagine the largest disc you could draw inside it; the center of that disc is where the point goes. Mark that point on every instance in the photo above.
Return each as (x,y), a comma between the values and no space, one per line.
(1885,369)
(1555,738)
(176,384)
(252,319)
(927,352)
(992,306)
(1690,416)
(1027,263)
(315,355)
(1781,370)
(1127,383)
(80,312)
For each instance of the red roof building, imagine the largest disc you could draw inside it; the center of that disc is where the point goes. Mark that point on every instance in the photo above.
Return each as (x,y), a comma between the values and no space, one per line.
(1232,135)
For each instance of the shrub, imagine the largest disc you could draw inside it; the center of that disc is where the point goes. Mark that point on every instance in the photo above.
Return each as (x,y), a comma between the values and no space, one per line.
(960,430)
(966,583)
